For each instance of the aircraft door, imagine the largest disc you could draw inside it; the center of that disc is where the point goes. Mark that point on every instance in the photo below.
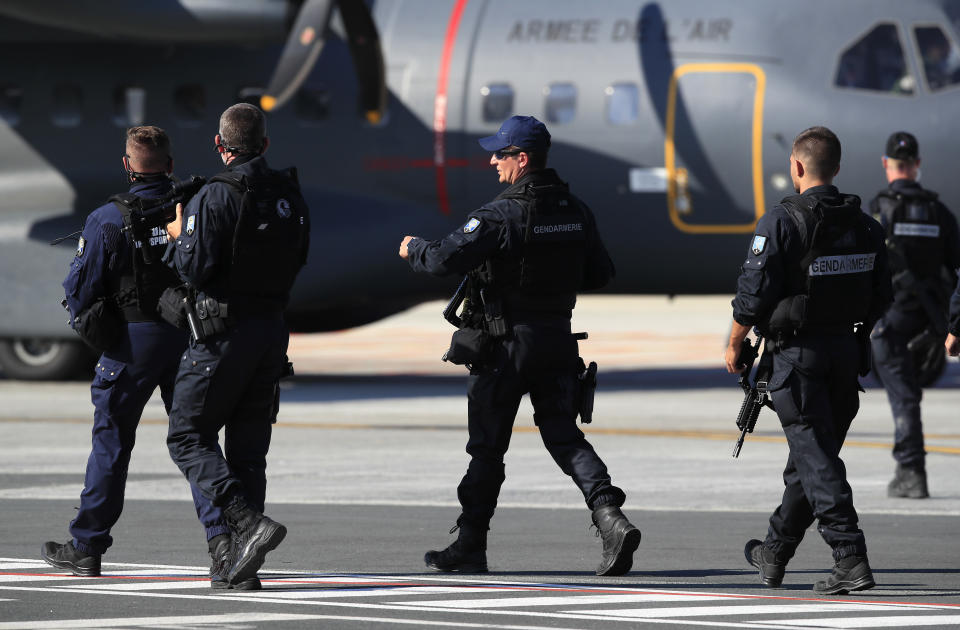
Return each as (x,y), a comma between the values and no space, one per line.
(712,151)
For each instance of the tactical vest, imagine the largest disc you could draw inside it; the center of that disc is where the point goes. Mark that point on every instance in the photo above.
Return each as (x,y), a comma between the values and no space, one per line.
(547,271)
(836,273)
(138,289)
(269,244)
(914,238)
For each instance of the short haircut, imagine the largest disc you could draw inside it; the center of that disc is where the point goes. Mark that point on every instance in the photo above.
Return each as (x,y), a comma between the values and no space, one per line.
(537,159)
(148,149)
(243,128)
(819,150)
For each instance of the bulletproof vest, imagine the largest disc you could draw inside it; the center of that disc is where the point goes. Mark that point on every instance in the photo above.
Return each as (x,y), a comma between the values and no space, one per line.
(138,289)
(547,271)
(269,244)
(914,238)
(835,274)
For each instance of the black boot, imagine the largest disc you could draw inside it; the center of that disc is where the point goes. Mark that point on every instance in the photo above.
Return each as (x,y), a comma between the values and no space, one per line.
(220,560)
(467,554)
(849,574)
(772,565)
(908,483)
(620,540)
(68,557)
(253,535)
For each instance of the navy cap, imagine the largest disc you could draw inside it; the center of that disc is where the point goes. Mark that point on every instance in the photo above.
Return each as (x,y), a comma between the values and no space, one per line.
(902,146)
(524,132)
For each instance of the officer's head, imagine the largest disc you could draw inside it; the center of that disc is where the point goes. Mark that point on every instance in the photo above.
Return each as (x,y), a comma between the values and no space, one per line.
(243,131)
(901,159)
(147,152)
(815,158)
(519,147)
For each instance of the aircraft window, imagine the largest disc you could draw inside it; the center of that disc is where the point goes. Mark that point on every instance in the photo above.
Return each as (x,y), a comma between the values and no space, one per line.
(190,104)
(497,102)
(313,105)
(67,105)
(876,62)
(623,103)
(129,105)
(561,102)
(11,97)
(941,59)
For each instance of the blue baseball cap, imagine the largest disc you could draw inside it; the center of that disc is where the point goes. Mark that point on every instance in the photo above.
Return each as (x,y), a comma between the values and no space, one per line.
(524,132)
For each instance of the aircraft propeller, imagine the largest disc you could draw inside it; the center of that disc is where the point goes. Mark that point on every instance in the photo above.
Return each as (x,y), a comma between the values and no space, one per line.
(305,42)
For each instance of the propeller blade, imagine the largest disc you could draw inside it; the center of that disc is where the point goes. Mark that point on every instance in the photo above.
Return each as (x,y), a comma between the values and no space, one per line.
(364,41)
(299,54)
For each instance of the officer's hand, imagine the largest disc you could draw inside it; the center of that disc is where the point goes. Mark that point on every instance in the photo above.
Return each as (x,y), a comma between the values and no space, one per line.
(952,345)
(173,228)
(730,358)
(403,246)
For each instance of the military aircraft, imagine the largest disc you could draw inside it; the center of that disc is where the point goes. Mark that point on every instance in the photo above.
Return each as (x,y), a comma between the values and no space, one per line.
(673,120)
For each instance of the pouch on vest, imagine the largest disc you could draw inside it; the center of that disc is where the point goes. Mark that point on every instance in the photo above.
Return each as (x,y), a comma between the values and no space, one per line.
(99,325)
(788,316)
(467,347)
(170,306)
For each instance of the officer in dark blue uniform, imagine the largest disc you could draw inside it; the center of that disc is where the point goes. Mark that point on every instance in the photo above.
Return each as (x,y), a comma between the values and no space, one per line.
(527,254)
(111,294)
(239,243)
(924,249)
(816,266)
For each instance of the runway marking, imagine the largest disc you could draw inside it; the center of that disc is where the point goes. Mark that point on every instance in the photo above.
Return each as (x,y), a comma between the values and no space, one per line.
(506,601)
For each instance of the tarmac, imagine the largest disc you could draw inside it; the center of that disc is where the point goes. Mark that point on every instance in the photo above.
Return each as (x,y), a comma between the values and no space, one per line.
(363,468)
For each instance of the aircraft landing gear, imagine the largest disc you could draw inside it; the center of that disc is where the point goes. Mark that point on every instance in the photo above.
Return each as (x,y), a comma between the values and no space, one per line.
(35,359)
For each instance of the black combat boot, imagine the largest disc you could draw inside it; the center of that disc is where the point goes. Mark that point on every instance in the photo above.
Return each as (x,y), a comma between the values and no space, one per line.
(772,565)
(253,535)
(620,540)
(220,560)
(467,554)
(849,574)
(68,557)
(908,483)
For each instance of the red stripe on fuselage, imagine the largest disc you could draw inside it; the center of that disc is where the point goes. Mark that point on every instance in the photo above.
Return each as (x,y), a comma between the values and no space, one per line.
(440,106)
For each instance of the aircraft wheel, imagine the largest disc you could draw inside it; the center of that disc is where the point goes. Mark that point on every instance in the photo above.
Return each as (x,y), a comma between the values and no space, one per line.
(34,359)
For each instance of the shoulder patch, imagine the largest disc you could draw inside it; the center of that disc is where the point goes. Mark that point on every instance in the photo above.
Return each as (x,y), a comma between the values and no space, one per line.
(759,244)
(81,244)
(283,208)
(471,225)
(191,224)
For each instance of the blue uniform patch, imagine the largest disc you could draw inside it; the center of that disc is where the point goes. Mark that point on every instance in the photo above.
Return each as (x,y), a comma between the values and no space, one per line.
(759,242)
(471,225)
(283,209)
(191,224)
(80,245)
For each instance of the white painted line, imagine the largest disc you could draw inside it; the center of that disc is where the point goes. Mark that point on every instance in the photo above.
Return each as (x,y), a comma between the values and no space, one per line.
(761,609)
(39,578)
(565,600)
(12,565)
(906,621)
(218,621)
(160,585)
(377,591)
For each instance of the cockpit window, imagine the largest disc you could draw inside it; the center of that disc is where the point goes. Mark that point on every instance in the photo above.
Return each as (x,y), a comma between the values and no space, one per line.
(876,62)
(497,102)
(560,102)
(941,59)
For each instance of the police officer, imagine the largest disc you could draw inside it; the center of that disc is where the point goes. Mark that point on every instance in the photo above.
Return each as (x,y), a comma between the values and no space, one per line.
(239,243)
(924,249)
(816,266)
(527,253)
(112,290)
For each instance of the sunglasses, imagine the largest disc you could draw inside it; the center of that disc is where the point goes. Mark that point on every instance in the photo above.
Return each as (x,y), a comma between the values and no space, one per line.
(502,153)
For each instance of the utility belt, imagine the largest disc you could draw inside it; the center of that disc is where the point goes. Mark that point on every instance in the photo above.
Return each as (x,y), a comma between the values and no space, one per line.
(203,316)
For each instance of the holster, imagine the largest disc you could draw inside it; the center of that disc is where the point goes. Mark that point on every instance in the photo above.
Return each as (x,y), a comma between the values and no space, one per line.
(467,347)
(587,377)
(213,315)
(99,325)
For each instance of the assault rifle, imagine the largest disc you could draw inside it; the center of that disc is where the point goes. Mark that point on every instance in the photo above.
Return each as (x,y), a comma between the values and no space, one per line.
(450,310)
(755,397)
(148,214)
